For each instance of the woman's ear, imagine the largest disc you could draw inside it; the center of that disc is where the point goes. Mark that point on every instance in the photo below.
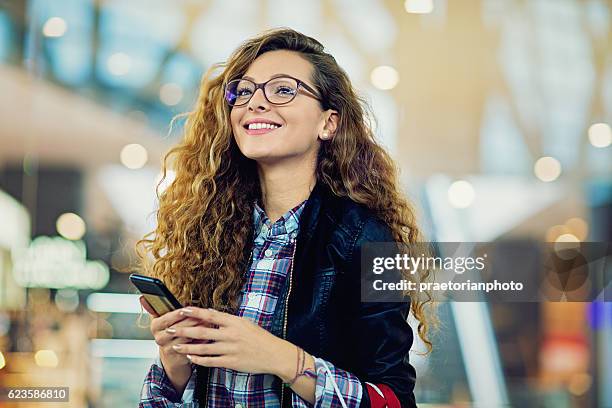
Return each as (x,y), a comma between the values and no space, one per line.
(330,124)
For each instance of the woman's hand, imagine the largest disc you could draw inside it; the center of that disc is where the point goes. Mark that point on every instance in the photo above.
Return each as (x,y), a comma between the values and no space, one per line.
(237,344)
(176,366)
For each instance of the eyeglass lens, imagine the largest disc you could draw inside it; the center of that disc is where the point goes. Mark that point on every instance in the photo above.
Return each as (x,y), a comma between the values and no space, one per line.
(278,91)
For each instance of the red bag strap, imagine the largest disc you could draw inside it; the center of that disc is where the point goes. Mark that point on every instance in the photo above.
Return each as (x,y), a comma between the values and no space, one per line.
(392,401)
(376,399)
(388,399)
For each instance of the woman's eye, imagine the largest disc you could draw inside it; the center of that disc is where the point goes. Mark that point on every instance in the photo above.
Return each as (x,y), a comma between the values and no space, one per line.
(243,91)
(286,90)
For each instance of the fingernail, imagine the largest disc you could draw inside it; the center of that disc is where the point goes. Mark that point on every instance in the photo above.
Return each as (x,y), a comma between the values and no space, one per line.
(176,346)
(186,311)
(188,356)
(170,330)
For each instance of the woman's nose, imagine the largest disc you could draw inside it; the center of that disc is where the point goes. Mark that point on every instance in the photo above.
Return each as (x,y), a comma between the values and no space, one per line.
(258,101)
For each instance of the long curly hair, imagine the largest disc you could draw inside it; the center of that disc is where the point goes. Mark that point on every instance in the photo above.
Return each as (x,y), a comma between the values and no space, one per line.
(204,232)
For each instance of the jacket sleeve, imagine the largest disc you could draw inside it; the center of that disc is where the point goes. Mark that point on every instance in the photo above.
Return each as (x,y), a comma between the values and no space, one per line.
(383,335)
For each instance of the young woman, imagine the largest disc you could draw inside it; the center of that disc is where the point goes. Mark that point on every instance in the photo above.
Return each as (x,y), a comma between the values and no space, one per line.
(279,182)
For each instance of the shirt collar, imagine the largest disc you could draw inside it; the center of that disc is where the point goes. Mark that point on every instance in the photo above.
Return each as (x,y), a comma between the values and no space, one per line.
(287,224)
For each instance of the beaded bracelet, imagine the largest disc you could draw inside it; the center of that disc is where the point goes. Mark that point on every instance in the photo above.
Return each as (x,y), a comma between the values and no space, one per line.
(301,359)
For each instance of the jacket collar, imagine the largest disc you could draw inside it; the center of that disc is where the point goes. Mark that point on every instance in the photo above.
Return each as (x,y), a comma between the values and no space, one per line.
(317,201)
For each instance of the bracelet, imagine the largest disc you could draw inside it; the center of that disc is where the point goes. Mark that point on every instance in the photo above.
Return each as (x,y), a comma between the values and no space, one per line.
(301,360)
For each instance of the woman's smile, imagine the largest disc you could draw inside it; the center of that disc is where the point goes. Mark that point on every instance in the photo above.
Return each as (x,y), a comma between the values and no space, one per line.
(261,128)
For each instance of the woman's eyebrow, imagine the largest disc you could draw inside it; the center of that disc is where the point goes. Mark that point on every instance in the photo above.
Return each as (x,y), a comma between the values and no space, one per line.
(272,77)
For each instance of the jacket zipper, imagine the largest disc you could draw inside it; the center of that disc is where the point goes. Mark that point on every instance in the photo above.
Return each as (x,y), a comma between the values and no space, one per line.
(287,310)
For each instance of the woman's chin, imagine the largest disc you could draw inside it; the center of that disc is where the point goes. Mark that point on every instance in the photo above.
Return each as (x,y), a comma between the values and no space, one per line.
(261,155)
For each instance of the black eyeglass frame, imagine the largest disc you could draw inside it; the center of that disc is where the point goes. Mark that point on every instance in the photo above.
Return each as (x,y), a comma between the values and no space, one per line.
(262,86)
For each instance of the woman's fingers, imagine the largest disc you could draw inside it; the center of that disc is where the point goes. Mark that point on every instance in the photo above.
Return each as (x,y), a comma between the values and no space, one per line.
(165,321)
(209,361)
(199,333)
(209,315)
(190,321)
(204,349)
(166,336)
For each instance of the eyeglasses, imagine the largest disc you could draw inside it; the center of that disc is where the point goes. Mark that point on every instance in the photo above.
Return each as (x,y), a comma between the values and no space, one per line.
(277,91)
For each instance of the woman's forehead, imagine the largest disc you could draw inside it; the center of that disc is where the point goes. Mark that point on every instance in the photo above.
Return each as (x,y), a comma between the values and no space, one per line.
(274,63)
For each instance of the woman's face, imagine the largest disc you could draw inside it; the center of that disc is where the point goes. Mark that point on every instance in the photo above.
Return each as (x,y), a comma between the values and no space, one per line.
(300,122)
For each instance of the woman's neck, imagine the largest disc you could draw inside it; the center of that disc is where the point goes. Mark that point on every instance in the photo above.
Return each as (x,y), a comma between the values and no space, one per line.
(284,186)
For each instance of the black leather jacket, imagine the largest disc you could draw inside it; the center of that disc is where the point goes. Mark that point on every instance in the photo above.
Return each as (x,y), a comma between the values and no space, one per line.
(323,313)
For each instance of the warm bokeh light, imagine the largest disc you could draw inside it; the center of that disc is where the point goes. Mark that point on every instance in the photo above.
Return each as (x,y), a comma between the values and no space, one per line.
(579,384)
(171,94)
(578,227)
(119,64)
(70,226)
(55,27)
(567,246)
(46,358)
(419,6)
(67,300)
(600,135)
(384,77)
(547,168)
(555,231)
(567,237)
(461,194)
(2,361)
(134,156)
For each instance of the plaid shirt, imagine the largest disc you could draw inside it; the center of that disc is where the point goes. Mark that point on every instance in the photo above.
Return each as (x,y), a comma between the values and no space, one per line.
(272,256)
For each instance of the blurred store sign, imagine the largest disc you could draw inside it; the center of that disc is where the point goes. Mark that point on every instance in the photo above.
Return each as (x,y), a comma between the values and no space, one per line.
(15,222)
(14,235)
(123,348)
(114,303)
(54,262)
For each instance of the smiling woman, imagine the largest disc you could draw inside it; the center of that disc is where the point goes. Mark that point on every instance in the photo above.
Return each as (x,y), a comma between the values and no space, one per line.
(279,182)
(298,121)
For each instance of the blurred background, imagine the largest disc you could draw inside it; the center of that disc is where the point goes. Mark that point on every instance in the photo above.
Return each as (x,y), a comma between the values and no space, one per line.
(498,112)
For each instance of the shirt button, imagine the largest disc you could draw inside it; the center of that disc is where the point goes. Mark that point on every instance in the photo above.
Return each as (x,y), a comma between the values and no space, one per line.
(268,253)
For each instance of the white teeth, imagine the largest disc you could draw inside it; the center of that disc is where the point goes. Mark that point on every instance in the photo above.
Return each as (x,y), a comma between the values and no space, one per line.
(253,126)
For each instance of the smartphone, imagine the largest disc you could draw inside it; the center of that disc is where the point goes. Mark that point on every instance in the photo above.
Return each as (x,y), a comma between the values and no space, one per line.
(156,293)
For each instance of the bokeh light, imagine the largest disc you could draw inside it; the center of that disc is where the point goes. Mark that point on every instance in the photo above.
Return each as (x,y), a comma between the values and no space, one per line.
(547,168)
(578,227)
(70,226)
(384,77)
(134,156)
(55,27)
(600,135)
(461,194)
(419,6)
(67,300)
(46,358)
(579,384)
(119,64)
(171,94)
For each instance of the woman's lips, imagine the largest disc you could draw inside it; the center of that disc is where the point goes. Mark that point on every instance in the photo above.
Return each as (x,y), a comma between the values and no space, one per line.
(259,131)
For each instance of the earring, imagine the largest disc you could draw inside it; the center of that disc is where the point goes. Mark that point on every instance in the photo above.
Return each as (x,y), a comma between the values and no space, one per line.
(325,135)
